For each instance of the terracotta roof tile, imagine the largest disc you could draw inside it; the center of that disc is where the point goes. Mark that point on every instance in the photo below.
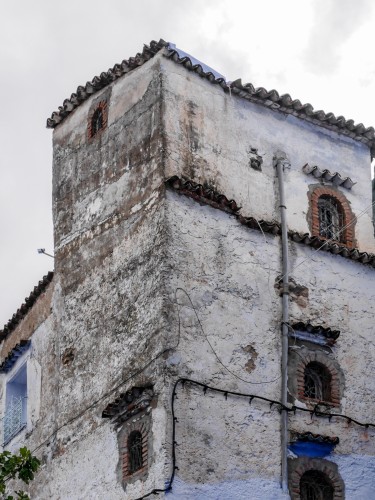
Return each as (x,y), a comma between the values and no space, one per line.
(316,438)
(271,99)
(99,82)
(190,188)
(26,306)
(326,175)
(14,354)
(317,330)
(202,193)
(129,404)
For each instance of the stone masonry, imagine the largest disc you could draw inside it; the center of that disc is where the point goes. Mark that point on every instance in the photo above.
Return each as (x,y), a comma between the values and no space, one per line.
(168,265)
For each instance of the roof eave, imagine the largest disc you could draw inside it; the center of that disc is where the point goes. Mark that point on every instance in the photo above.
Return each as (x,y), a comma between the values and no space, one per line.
(271,99)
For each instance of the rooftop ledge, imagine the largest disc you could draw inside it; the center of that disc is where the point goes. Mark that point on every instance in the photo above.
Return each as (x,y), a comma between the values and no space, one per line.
(271,99)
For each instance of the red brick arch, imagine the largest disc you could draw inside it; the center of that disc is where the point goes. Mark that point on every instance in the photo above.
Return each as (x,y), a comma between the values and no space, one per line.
(143,429)
(299,466)
(103,106)
(142,424)
(330,365)
(348,236)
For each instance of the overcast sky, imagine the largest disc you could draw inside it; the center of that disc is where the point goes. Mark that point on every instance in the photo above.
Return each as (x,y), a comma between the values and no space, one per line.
(319,51)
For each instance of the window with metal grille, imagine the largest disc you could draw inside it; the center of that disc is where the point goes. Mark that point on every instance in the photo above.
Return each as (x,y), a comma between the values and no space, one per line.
(135,459)
(331,221)
(317,382)
(15,417)
(315,485)
(97,121)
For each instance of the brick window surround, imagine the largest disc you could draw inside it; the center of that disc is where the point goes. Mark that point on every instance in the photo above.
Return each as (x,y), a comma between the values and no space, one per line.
(298,467)
(297,370)
(347,236)
(141,424)
(100,107)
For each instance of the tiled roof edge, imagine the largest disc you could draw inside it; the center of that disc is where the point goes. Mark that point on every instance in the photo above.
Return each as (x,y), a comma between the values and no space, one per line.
(103,80)
(204,193)
(14,354)
(26,306)
(285,104)
(326,175)
(270,99)
(121,403)
(316,438)
(319,330)
(209,197)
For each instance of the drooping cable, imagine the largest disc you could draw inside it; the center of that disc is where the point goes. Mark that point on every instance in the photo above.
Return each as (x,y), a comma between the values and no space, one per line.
(206,387)
(216,355)
(251,397)
(330,240)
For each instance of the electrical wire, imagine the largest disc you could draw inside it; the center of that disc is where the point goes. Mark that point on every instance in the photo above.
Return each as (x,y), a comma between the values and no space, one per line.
(282,407)
(293,409)
(216,355)
(206,387)
(250,397)
(326,242)
(114,389)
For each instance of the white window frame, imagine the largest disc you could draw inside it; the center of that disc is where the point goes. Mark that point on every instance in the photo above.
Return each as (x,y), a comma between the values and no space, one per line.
(32,409)
(15,409)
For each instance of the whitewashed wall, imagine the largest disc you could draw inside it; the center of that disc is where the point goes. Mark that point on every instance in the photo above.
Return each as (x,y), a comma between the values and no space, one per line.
(227,449)
(210,134)
(125,245)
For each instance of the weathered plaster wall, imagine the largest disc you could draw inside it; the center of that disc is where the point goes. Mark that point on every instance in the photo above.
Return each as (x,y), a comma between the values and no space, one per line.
(86,466)
(359,473)
(108,301)
(229,272)
(230,282)
(210,134)
(257,489)
(27,326)
(123,249)
(108,261)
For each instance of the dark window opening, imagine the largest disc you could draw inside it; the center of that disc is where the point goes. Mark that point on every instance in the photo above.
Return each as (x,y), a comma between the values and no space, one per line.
(97,121)
(135,451)
(331,220)
(317,383)
(315,485)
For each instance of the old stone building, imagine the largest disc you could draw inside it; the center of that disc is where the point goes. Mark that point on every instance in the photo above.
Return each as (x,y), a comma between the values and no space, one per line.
(208,329)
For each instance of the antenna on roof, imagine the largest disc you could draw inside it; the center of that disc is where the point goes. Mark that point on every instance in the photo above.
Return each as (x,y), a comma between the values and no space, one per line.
(43,251)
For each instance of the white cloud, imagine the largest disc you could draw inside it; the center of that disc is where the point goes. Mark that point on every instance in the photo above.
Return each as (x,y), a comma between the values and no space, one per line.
(334,24)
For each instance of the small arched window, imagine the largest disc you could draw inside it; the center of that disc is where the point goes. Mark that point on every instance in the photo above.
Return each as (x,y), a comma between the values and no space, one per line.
(315,485)
(97,121)
(331,218)
(135,459)
(317,382)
